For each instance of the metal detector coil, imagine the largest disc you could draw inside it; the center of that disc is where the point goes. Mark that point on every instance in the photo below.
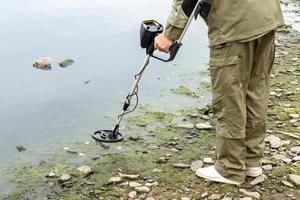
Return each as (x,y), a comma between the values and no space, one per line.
(148,31)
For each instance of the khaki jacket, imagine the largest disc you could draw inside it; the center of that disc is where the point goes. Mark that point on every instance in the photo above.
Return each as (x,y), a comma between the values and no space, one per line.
(230,20)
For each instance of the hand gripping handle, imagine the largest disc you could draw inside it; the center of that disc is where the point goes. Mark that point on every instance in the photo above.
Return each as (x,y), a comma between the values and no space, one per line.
(172,54)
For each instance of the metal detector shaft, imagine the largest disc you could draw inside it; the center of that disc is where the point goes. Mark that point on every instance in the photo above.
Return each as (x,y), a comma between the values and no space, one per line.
(132,91)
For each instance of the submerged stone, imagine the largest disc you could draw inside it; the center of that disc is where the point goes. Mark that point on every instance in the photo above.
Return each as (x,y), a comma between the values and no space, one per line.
(43,63)
(66,63)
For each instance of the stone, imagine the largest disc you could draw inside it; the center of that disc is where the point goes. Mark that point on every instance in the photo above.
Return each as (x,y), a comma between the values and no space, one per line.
(296,158)
(196,165)
(142,189)
(205,194)
(227,198)
(162,160)
(84,170)
(246,198)
(20,148)
(132,194)
(295,116)
(114,180)
(186,126)
(208,160)
(66,63)
(288,184)
(133,184)
(129,176)
(258,180)
(51,175)
(214,197)
(268,167)
(64,178)
(157,170)
(149,198)
(294,179)
(181,165)
(295,149)
(256,195)
(43,63)
(274,141)
(204,126)
(152,184)
(283,158)
(185,198)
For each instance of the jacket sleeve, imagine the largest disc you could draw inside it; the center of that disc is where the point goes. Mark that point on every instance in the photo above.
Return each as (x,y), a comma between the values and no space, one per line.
(176,21)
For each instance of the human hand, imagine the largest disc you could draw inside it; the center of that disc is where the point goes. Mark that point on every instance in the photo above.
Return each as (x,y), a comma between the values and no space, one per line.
(163,43)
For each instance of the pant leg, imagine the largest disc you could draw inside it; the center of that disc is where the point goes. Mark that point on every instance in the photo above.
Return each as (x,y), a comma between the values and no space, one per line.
(257,98)
(230,73)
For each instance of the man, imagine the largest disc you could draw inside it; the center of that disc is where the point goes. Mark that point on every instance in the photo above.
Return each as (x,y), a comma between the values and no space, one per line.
(242,47)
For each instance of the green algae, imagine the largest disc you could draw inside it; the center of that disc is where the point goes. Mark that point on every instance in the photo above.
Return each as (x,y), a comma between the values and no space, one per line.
(66,63)
(183,90)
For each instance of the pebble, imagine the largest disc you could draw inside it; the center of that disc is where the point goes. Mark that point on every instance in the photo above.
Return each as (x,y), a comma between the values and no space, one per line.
(128,176)
(181,165)
(205,194)
(196,165)
(295,116)
(258,180)
(256,195)
(296,158)
(150,198)
(274,141)
(246,198)
(288,184)
(51,175)
(295,149)
(294,179)
(162,160)
(84,170)
(186,126)
(268,167)
(64,177)
(185,198)
(132,194)
(134,184)
(115,180)
(142,189)
(208,161)
(204,126)
(283,158)
(214,197)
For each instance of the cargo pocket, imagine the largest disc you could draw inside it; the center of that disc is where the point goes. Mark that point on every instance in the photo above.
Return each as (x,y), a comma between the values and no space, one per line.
(227,98)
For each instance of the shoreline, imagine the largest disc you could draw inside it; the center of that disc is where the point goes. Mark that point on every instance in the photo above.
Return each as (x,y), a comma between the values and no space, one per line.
(162,145)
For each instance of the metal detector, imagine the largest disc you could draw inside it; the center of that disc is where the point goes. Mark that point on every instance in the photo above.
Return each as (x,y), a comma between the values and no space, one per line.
(148,31)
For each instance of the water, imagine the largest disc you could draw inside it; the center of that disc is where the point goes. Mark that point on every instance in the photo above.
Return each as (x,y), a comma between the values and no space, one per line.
(46,110)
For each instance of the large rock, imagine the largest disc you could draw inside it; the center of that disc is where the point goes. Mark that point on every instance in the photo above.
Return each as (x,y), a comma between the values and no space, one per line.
(84,170)
(295,179)
(185,125)
(204,126)
(142,189)
(274,141)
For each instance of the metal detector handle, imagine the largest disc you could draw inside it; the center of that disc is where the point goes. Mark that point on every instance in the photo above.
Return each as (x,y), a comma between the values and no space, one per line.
(172,54)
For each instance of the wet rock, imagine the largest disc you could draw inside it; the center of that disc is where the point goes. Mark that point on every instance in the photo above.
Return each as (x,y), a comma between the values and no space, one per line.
(186,126)
(208,161)
(149,198)
(132,194)
(288,184)
(214,197)
(283,158)
(64,178)
(142,189)
(84,170)
(114,180)
(268,167)
(196,165)
(227,198)
(133,184)
(294,179)
(256,195)
(181,165)
(129,176)
(295,149)
(43,63)
(258,180)
(66,63)
(246,198)
(20,148)
(204,126)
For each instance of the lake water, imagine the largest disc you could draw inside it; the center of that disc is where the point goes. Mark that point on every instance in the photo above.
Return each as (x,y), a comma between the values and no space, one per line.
(45,110)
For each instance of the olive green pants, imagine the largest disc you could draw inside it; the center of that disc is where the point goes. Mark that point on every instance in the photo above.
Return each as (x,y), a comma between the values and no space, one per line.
(240,76)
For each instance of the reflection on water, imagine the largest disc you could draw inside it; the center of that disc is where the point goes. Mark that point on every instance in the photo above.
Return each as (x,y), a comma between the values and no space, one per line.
(44,110)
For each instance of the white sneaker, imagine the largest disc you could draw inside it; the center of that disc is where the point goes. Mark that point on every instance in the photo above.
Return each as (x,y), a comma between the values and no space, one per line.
(211,173)
(254,171)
